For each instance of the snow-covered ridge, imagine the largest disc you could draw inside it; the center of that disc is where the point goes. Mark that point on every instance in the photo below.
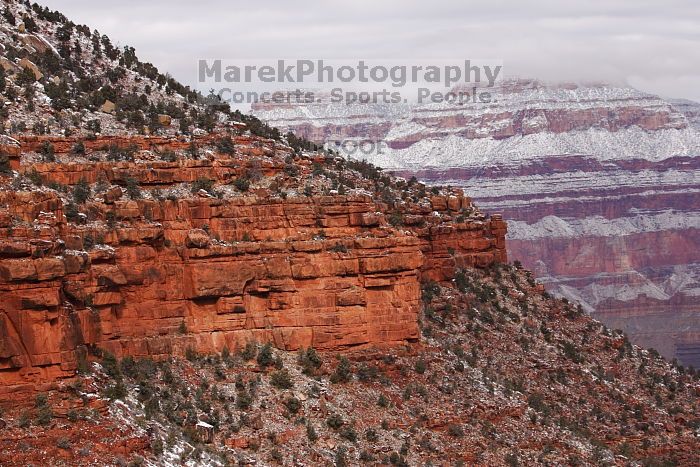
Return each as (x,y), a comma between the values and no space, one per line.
(618,123)
(458,151)
(598,226)
(503,98)
(544,188)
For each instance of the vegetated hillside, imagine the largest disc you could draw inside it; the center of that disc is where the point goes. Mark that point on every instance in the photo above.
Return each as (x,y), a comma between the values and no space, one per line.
(504,375)
(114,241)
(61,78)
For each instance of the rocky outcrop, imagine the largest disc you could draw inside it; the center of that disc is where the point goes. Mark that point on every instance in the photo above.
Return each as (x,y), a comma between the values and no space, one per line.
(154,278)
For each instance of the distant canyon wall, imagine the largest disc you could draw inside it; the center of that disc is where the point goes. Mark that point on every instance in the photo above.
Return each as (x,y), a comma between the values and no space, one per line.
(600,185)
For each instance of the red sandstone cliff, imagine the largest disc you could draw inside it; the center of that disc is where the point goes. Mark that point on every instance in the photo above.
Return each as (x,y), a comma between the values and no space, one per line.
(149,277)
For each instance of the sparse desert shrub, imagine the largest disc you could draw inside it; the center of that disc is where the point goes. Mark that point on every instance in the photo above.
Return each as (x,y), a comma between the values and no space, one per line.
(341,459)
(455,430)
(335,421)
(349,433)
(243,400)
(116,391)
(63,443)
(371,435)
(81,192)
(193,150)
(293,405)
(4,163)
(281,379)
(339,248)
(47,152)
(266,356)
(430,289)
(242,184)
(572,352)
(366,456)
(343,372)
(536,401)
(72,415)
(191,354)
(132,188)
(24,421)
(110,365)
(203,184)
(367,372)
(35,177)
(311,432)
(396,219)
(249,351)
(225,145)
(309,360)
(78,148)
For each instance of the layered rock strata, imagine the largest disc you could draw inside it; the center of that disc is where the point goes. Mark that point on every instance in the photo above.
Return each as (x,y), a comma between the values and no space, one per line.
(599,184)
(157,277)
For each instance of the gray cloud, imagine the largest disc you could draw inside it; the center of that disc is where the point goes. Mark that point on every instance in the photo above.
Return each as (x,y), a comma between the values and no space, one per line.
(652,45)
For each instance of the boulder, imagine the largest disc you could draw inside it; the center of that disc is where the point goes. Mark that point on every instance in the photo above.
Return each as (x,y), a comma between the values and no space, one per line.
(108,107)
(9,66)
(165,120)
(112,195)
(197,238)
(25,63)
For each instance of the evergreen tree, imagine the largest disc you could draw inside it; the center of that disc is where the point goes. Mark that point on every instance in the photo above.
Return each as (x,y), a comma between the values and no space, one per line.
(82,191)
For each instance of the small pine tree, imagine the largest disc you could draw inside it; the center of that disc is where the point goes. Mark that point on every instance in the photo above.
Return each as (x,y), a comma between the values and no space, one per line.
(193,150)
(47,152)
(9,17)
(309,360)
(78,148)
(265,356)
(81,192)
(4,163)
(281,379)
(132,188)
(311,432)
(225,145)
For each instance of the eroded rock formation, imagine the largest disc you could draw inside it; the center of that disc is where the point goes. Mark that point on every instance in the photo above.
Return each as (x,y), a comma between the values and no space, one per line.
(599,184)
(149,277)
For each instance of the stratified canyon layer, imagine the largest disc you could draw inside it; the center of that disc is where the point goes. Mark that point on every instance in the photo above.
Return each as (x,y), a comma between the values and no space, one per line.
(130,275)
(141,223)
(599,184)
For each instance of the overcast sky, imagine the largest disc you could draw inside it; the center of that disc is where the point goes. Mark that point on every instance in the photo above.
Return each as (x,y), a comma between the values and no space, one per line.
(651,44)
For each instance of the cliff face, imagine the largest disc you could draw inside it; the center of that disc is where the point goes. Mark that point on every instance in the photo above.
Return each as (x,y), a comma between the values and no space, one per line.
(150,277)
(502,373)
(599,185)
(520,108)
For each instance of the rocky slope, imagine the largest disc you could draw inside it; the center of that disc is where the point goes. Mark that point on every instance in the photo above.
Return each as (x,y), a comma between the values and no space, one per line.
(62,78)
(599,185)
(219,293)
(503,375)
